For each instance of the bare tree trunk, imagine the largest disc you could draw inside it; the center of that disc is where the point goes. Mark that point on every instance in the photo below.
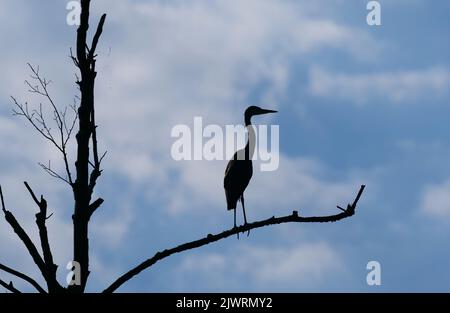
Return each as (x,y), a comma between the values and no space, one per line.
(85,182)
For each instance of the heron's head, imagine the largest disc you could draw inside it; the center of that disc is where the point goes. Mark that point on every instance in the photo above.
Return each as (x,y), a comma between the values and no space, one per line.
(254,110)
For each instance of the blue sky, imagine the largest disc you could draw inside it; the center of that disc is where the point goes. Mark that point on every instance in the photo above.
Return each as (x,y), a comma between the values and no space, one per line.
(357,105)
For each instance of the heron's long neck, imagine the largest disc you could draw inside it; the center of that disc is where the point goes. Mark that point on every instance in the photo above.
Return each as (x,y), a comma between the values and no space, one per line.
(251,142)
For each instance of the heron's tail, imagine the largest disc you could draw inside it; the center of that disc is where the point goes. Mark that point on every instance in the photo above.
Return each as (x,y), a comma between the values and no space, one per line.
(231,205)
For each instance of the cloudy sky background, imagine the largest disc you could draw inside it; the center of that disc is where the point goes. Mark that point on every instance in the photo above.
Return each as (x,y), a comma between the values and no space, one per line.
(357,105)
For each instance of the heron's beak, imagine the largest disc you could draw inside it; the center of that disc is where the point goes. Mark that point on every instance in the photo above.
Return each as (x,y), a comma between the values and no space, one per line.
(264,111)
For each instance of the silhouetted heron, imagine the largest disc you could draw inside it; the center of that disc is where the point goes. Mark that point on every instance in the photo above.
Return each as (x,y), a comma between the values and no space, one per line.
(239,170)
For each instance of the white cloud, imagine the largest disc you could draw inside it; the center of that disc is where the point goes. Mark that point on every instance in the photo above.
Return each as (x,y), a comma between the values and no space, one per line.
(205,58)
(200,58)
(111,231)
(168,62)
(436,200)
(268,268)
(172,61)
(395,87)
(297,184)
(300,184)
(206,262)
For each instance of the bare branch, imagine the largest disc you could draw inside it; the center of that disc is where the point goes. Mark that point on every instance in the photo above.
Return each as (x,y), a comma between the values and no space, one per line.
(103,156)
(9,286)
(293,218)
(54,174)
(38,121)
(43,83)
(3,200)
(95,174)
(35,121)
(60,119)
(41,218)
(35,199)
(70,127)
(74,59)
(24,237)
(66,164)
(97,37)
(94,206)
(22,276)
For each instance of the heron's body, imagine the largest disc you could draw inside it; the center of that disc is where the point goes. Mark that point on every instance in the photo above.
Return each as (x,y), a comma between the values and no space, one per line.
(237,177)
(239,170)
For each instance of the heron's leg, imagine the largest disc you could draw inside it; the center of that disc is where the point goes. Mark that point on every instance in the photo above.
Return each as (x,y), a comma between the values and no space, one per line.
(235,221)
(243,209)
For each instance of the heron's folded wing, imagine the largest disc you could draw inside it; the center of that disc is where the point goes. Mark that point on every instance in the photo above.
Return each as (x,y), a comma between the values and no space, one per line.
(229,173)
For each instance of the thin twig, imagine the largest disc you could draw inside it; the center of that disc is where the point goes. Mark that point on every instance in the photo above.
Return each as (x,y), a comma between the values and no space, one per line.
(38,120)
(54,174)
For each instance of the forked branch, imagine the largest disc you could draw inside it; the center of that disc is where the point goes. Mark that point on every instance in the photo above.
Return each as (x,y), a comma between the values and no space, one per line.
(41,218)
(22,276)
(36,117)
(23,236)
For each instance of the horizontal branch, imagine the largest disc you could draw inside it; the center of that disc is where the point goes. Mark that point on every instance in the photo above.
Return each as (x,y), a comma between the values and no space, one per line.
(22,276)
(292,218)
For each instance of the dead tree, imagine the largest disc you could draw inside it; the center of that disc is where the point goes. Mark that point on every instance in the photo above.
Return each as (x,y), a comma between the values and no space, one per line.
(87,172)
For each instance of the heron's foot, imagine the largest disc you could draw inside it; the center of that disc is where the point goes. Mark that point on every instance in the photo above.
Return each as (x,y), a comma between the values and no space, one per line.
(235,227)
(248,232)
